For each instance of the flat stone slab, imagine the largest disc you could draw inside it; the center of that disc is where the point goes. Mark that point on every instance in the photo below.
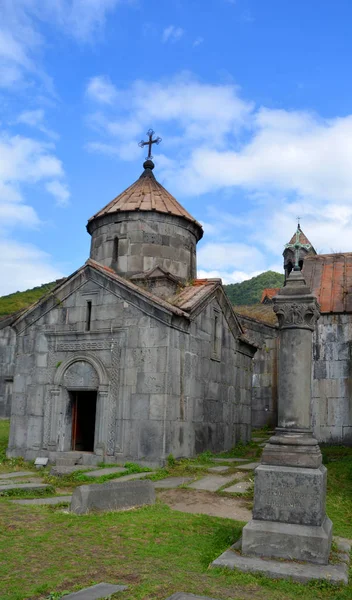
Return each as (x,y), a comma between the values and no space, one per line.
(39,501)
(113,495)
(95,592)
(302,572)
(109,471)
(218,469)
(231,460)
(249,467)
(183,596)
(171,482)
(259,439)
(134,476)
(211,483)
(239,488)
(62,470)
(17,474)
(24,486)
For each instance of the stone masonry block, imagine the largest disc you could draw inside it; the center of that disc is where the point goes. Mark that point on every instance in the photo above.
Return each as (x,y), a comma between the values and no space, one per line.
(112,496)
(290,494)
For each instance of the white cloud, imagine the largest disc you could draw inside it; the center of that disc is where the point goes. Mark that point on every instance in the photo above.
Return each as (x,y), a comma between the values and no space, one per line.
(172,34)
(59,190)
(21,40)
(100,89)
(198,41)
(229,255)
(227,276)
(24,266)
(25,161)
(35,118)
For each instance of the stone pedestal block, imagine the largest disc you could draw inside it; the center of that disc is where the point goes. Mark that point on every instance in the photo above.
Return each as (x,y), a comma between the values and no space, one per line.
(290,495)
(288,541)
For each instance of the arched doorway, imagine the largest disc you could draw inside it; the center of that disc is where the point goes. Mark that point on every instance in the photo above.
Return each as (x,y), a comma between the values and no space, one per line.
(81,381)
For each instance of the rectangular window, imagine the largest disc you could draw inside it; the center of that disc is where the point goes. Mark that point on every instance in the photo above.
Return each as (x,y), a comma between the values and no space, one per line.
(216,336)
(88,314)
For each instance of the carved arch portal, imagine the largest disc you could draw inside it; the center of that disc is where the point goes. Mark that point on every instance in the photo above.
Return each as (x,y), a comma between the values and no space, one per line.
(81,371)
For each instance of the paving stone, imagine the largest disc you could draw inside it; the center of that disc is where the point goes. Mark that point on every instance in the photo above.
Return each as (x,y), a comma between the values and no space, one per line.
(336,572)
(172,482)
(238,488)
(109,471)
(218,469)
(183,596)
(231,460)
(95,592)
(259,439)
(134,476)
(249,466)
(262,445)
(24,486)
(211,483)
(17,474)
(62,470)
(38,501)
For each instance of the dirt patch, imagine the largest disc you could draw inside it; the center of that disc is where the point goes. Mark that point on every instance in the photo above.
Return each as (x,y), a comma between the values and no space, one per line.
(206,503)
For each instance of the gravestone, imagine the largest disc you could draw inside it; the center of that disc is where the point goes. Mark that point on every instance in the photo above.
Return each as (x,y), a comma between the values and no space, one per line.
(115,495)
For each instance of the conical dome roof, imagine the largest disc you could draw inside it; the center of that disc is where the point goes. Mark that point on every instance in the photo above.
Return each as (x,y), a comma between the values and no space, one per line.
(146,194)
(302,238)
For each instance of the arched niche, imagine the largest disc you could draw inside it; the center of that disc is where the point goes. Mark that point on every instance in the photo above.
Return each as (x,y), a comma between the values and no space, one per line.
(81,371)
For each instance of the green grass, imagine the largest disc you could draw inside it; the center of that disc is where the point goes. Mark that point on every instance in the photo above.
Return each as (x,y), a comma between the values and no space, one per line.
(14,302)
(154,550)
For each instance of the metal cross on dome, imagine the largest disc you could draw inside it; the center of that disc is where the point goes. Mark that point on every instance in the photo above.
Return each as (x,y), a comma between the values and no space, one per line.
(150,142)
(297,246)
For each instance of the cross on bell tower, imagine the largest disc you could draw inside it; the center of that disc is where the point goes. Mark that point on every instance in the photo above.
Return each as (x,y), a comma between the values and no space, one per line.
(149,143)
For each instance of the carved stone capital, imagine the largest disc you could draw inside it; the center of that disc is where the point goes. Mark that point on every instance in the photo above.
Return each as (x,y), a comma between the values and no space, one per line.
(296,314)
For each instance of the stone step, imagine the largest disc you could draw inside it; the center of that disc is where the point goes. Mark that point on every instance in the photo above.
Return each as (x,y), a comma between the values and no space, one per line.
(239,488)
(40,501)
(171,482)
(17,474)
(211,483)
(24,486)
(109,471)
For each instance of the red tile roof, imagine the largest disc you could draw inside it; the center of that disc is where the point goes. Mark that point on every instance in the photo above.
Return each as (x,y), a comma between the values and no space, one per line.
(269,293)
(146,194)
(330,278)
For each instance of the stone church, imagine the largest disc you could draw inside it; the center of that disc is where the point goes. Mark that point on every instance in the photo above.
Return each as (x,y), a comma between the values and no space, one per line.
(131,357)
(329,276)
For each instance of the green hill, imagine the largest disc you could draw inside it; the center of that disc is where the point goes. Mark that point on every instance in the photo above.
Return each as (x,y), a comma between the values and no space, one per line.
(14,302)
(250,291)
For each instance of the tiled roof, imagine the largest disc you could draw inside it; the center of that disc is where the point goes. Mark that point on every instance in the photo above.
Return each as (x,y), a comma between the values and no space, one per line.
(302,237)
(146,194)
(329,276)
(258,312)
(192,295)
(269,293)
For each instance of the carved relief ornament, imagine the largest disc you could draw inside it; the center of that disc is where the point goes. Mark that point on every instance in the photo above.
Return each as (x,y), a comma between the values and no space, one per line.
(300,315)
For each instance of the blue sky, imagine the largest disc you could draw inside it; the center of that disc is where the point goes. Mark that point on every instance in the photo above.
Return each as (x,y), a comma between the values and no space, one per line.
(252,98)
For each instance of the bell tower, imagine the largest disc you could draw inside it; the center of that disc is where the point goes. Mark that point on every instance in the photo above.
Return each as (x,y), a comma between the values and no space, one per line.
(296,251)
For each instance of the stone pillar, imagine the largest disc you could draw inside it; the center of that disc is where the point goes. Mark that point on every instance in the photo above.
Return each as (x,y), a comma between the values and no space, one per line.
(289,519)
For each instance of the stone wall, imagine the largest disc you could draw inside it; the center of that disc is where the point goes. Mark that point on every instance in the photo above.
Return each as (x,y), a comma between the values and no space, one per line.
(164,385)
(7,361)
(332,379)
(132,243)
(264,383)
